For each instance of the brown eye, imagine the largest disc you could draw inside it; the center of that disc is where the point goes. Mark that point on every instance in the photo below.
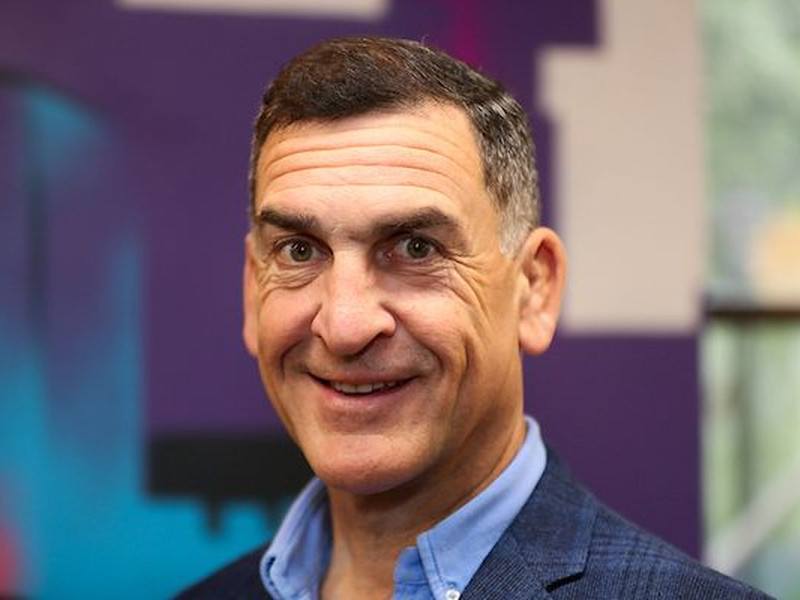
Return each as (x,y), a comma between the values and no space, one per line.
(418,248)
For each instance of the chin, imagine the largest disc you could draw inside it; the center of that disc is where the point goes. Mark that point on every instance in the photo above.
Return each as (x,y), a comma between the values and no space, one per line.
(363,468)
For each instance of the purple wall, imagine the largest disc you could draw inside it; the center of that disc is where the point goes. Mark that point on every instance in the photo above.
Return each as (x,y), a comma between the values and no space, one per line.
(176,94)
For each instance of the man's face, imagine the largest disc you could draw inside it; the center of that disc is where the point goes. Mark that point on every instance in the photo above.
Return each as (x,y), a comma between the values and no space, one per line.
(383,315)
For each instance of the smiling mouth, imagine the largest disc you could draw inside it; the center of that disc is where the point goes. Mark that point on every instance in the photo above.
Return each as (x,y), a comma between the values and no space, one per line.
(361,389)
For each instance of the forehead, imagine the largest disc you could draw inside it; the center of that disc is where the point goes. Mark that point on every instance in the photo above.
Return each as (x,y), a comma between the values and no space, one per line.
(423,155)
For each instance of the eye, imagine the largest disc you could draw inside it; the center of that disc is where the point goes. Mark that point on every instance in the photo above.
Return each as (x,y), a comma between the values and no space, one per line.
(418,248)
(414,248)
(297,250)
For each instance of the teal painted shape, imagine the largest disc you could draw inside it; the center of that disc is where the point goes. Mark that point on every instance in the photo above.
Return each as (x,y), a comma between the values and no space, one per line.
(60,130)
(72,439)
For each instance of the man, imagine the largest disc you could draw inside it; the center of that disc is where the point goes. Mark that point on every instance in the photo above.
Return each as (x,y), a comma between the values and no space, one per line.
(394,270)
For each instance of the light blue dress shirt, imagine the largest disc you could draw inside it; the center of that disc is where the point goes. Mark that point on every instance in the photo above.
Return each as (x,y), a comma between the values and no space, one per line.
(444,558)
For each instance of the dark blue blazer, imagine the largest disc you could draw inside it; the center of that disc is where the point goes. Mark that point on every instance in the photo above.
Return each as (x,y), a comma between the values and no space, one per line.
(563,544)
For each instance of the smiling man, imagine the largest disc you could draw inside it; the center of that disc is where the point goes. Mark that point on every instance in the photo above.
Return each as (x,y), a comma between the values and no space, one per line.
(394,271)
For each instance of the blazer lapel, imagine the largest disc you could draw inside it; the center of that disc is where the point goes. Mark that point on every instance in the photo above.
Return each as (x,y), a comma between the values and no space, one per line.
(547,542)
(505,575)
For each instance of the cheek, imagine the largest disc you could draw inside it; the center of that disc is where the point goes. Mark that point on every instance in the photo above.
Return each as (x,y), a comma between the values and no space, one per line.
(284,320)
(442,323)
(489,295)
(470,326)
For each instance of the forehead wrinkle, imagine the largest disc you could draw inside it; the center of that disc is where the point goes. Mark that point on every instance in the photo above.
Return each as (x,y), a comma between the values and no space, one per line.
(294,139)
(361,176)
(377,155)
(441,128)
(288,140)
(291,190)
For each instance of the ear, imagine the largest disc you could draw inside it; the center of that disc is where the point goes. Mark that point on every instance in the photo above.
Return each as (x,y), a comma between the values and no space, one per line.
(250,297)
(543,270)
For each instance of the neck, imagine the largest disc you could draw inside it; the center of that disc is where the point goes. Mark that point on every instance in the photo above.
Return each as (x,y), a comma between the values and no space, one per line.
(370,532)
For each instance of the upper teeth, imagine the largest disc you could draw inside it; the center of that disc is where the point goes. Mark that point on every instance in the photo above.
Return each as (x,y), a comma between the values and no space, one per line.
(363,388)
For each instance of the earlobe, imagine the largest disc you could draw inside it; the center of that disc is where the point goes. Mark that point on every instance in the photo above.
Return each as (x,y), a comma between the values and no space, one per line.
(543,270)
(250,298)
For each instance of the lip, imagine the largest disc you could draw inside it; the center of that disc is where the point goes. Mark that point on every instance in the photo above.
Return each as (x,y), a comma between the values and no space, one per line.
(361,408)
(398,383)
(356,378)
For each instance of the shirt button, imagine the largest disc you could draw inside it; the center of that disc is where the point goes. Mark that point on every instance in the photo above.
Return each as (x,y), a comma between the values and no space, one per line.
(452,595)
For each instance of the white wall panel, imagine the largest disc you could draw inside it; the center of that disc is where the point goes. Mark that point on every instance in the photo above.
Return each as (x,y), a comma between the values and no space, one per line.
(629,168)
(350,9)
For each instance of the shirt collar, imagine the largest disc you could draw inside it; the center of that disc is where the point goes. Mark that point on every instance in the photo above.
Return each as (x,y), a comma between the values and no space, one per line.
(454,548)
(296,560)
(449,554)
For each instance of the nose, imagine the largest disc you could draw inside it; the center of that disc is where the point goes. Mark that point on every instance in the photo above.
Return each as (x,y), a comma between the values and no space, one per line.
(351,313)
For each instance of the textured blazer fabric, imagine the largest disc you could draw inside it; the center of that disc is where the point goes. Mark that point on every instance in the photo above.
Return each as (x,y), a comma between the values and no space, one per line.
(564,544)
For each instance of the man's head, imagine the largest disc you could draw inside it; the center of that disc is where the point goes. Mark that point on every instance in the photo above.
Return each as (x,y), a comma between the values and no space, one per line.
(353,76)
(387,295)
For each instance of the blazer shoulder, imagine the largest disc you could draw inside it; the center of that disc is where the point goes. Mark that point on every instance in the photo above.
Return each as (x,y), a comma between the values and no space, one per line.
(576,547)
(639,564)
(239,580)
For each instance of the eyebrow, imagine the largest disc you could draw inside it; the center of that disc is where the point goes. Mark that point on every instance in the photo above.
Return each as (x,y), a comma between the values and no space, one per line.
(387,226)
(425,218)
(300,222)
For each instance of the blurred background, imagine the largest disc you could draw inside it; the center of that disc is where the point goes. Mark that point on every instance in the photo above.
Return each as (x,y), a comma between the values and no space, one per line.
(137,449)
